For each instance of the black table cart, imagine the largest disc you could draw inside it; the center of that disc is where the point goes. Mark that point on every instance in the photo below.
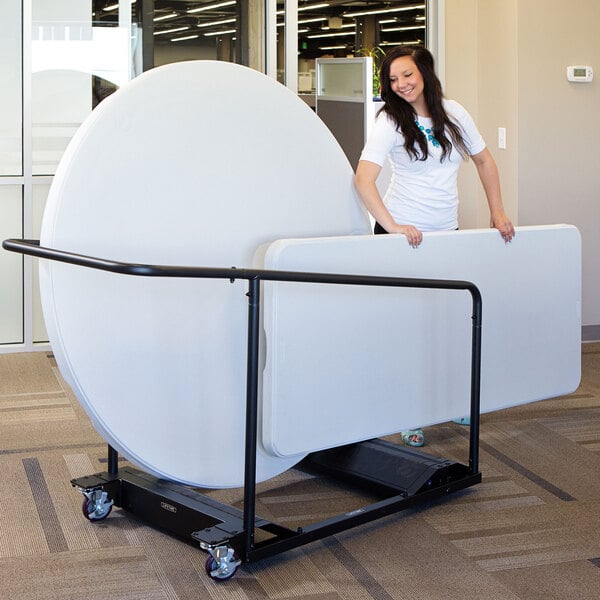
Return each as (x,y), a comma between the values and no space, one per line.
(402,477)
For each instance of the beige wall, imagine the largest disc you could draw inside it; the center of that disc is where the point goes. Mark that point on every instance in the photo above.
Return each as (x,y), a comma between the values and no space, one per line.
(481,54)
(506,62)
(497,71)
(461,85)
(559,164)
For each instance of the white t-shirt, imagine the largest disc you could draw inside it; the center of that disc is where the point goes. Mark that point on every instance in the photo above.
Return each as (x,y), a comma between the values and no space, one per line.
(422,193)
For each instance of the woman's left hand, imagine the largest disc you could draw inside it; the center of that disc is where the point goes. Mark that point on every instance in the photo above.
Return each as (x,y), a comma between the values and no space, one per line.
(503,224)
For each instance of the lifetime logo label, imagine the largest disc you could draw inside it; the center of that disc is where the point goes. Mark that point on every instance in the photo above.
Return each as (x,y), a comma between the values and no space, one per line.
(168,507)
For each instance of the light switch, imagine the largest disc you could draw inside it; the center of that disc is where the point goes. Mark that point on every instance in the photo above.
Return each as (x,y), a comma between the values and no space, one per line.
(502,137)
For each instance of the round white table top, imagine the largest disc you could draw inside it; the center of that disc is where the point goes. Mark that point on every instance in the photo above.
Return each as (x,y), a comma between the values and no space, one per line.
(198,163)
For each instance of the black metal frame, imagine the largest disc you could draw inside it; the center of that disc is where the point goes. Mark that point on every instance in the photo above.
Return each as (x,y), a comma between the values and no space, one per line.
(215,524)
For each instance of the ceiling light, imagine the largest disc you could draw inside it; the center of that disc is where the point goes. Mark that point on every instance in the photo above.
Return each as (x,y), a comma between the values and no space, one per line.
(407,28)
(333,47)
(313,6)
(380,11)
(211,6)
(330,35)
(301,8)
(315,20)
(115,6)
(171,30)
(221,22)
(165,17)
(225,32)
(187,37)
(304,22)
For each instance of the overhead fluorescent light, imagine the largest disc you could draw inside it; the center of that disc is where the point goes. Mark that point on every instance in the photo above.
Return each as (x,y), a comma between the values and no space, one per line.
(115,6)
(211,6)
(174,30)
(313,6)
(187,37)
(165,17)
(304,21)
(224,32)
(299,30)
(221,22)
(343,47)
(301,8)
(381,11)
(314,20)
(407,28)
(330,35)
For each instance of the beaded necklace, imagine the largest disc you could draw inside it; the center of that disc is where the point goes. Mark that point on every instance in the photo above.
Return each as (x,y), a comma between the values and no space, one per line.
(428,133)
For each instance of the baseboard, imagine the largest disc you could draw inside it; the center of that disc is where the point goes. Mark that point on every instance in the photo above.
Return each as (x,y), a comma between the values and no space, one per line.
(590,333)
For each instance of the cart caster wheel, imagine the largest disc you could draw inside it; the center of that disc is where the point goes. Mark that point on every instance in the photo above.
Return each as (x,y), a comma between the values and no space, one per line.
(96,505)
(221,564)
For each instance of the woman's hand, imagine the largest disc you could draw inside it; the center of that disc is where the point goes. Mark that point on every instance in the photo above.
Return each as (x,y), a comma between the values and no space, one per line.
(365,183)
(488,173)
(413,235)
(503,224)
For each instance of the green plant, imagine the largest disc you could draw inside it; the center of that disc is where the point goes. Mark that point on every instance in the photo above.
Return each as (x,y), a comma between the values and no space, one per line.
(376,53)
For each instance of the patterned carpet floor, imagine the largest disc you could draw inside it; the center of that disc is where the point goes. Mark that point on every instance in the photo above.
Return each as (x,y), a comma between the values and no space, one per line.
(530,530)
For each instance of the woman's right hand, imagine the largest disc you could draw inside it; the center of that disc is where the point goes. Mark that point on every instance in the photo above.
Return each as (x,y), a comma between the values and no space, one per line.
(413,235)
(365,183)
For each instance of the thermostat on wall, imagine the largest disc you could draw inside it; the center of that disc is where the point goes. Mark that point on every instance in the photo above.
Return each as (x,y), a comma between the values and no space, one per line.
(580,74)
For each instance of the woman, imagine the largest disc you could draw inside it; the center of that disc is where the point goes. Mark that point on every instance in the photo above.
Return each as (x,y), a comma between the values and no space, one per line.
(426,137)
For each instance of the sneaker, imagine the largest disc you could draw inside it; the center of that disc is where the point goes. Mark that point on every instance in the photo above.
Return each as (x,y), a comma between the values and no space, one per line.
(462,420)
(413,437)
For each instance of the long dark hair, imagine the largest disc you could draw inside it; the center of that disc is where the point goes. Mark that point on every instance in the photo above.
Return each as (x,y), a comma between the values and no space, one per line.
(404,114)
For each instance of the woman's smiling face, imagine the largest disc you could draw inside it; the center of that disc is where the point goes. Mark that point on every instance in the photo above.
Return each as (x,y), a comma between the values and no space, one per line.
(407,82)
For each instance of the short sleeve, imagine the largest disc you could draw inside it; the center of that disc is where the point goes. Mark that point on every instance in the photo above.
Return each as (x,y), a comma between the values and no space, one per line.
(382,139)
(473,139)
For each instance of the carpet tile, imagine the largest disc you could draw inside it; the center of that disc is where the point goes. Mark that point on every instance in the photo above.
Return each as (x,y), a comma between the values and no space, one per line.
(529,531)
